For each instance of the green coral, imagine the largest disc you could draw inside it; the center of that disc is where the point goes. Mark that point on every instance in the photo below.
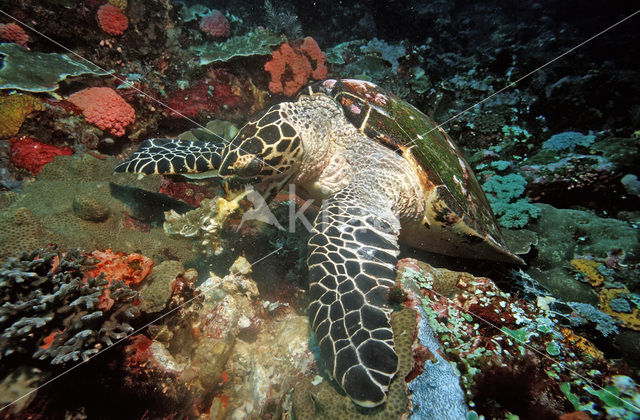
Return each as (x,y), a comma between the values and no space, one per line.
(504,194)
(516,133)
(254,43)
(39,72)
(194,12)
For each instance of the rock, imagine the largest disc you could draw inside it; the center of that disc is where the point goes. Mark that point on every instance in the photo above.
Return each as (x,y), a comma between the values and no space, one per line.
(155,295)
(91,209)
(266,368)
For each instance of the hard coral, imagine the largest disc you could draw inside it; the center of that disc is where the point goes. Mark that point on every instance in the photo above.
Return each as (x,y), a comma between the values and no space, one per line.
(104,108)
(30,154)
(215,24)
(206,95)
(49,310)
(291,67)
(12,32)
(112,20)
(13,111)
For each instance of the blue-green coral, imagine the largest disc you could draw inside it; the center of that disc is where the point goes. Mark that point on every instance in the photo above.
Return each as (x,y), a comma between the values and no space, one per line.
(505,196)
(253,43)
(39,72)
(604,323)
(568,140)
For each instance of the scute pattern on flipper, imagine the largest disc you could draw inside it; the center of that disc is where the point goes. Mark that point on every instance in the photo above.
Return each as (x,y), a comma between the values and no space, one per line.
(173,156)
(323,400)
(352,257)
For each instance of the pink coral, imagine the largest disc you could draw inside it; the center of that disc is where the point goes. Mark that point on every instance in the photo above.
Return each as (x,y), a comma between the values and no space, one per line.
(215,24)
(112,20)
(12,32)
(104,108)
(291,67)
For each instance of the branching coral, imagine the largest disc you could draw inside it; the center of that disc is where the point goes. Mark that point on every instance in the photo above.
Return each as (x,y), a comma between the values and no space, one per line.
(50,311)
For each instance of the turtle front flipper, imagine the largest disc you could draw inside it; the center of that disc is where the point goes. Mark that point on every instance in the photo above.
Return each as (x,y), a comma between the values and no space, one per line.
(173,156)
(353,253)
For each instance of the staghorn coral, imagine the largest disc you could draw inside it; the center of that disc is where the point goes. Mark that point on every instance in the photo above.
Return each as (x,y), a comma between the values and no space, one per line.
(52,311)
(104,108)
(14,109)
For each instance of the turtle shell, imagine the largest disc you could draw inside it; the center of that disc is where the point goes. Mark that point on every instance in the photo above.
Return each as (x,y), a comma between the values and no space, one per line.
(456,202)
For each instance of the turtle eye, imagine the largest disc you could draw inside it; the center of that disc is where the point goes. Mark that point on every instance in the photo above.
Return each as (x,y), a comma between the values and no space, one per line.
(251,169)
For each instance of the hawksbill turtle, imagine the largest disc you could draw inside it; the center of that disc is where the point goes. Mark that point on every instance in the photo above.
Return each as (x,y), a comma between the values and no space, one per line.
(386,173)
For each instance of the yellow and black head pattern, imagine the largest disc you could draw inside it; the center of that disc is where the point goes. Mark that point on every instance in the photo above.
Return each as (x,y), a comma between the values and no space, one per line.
(265,153)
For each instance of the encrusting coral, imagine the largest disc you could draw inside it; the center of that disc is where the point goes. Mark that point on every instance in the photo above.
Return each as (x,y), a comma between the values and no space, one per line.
(112,20)
(104,108)
(51,310)
(291,66)
(14,109)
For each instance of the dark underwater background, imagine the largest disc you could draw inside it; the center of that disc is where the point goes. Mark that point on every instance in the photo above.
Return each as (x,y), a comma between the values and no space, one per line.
(179,312)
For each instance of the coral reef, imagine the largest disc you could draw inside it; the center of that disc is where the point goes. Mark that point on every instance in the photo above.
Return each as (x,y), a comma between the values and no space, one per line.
(131,269)
(12,32)
(291,67)
(49,201)
(511,354)
(215,24)
(505,197)
(556,150)
(104,108)
(52,310)
(30,154)
(254,43)
(206,96)
(158,288)
(14,109)
(39,72)
(389,53)
(112,20)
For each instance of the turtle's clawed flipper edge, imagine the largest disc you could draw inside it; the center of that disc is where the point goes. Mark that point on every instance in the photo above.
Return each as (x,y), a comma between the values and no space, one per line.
(352,259)
(173,156)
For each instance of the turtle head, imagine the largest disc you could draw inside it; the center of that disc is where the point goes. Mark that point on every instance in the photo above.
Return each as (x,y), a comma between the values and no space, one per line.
(265,153)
